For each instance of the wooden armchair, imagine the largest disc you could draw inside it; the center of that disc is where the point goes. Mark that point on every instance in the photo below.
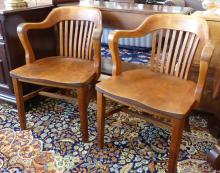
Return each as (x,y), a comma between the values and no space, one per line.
(163,89)
(79,36)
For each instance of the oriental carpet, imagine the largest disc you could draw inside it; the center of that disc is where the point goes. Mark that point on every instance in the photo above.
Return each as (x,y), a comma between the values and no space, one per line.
(53,142)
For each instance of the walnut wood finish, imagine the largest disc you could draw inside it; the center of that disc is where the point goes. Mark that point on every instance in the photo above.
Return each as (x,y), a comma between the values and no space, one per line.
(75,67)
(57,71)
(164,89)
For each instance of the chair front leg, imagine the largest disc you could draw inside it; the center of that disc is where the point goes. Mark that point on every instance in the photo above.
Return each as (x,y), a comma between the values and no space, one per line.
(20,102)
(100,119)
(82,94)
(176,137)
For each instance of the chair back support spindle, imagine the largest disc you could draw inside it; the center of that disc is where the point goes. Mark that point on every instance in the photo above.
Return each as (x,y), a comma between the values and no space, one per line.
(75,38)
(174,54)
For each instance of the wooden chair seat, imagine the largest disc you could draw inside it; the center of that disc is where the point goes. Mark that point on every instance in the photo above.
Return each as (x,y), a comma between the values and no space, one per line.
(57,70)
(151,90)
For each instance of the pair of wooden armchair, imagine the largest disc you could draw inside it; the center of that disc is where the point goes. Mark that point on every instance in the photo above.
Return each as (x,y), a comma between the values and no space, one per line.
(162,90)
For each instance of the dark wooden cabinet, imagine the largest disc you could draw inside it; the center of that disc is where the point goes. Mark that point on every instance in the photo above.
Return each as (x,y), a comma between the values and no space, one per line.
(4,78)
(11,50)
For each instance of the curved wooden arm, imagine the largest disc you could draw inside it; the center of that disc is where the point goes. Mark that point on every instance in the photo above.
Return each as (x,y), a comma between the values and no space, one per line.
(96,39)
(113,46)
(204,64)
(56,15)
(22,31)
(142,30)
(153,23)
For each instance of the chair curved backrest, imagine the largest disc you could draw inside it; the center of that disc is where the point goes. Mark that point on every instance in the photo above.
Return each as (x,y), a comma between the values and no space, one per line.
(175,39)
(174,54)
(75,28)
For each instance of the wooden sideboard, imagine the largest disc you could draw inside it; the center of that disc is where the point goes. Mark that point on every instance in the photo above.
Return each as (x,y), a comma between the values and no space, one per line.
(128,15)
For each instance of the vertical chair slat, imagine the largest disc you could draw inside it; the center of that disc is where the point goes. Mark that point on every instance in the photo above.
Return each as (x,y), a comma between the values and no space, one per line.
(84,40)
(154,44)
(90,42)
(66,30)
(76,39)
(186,57)
(164,51)
(80,39)
(193,50)
(61,37)
(170,52)
(181,56)
(71,39)
(158,56)
(176,53)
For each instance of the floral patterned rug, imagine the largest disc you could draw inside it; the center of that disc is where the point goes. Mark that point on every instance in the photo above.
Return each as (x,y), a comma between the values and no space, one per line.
(132,54)
(53,142)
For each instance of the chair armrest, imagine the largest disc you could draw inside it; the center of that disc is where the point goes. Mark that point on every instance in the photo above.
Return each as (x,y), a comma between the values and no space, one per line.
(22,31)
(113,39)
(203,70)
(96,39)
